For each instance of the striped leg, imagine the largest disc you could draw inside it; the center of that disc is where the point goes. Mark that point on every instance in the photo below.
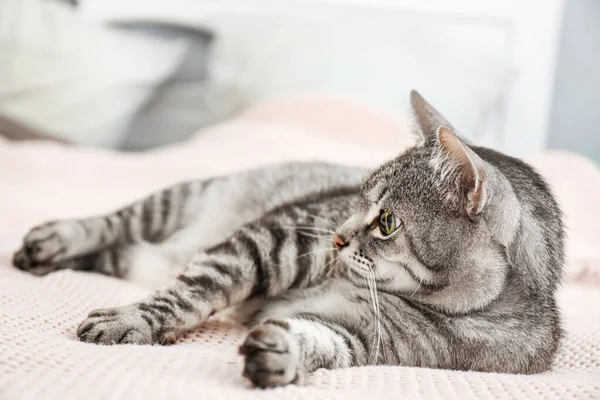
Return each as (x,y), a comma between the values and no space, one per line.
(94,243)
(263,259)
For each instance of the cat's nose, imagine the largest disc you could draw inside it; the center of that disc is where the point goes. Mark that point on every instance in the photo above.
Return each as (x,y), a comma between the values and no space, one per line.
(339,242)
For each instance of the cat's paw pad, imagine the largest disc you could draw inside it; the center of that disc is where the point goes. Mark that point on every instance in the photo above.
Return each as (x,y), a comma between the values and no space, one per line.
(125,325)
(43,246)
(272,356)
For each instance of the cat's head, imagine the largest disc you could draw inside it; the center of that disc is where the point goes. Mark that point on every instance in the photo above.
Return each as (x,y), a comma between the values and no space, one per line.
(434,222)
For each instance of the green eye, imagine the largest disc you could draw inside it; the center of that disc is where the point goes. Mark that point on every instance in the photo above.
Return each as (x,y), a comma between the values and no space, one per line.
(387,223)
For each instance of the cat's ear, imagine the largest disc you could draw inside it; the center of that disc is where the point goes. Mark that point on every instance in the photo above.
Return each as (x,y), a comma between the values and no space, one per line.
(428,119)
(461,171)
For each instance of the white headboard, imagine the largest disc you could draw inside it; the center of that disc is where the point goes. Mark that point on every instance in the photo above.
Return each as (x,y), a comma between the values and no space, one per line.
(529,42)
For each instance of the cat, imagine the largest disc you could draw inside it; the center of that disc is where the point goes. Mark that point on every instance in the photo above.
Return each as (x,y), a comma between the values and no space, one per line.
(448,256)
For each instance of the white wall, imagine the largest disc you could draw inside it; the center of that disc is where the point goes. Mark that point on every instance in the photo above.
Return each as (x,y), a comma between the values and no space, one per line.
(575,117)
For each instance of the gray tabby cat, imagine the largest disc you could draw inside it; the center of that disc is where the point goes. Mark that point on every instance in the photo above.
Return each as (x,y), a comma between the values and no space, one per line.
(448,256)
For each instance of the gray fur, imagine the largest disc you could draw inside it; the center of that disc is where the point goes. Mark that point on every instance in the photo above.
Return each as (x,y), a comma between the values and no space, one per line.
(467,281)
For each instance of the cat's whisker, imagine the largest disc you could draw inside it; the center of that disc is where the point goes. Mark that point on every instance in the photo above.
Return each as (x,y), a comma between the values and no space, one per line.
(376,271)
(317,227)
(308,227)
(310,235)
(372,286)
(319,251)
(377,314)
(418,286)
(329,222)
(420,301)
(375,354)
(302,232)
(333,261)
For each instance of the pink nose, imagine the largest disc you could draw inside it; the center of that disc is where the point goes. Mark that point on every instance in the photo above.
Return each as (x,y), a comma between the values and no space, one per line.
(338,242)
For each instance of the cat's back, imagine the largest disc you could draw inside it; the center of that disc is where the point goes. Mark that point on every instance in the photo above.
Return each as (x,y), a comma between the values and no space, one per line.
(275,185)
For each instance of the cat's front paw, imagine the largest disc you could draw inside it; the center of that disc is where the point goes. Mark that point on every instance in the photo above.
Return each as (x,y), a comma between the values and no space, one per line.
(272,356)
(126,325)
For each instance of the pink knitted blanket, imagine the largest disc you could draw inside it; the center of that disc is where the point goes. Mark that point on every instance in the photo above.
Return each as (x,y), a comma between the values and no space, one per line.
(40,358)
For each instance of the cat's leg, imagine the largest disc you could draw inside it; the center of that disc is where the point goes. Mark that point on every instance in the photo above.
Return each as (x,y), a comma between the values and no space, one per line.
(335,326)
(216,206)
(100,243)
(328,326)
(262,259)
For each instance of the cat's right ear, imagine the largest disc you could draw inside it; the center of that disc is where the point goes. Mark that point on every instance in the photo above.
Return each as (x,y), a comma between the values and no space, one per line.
(428,119)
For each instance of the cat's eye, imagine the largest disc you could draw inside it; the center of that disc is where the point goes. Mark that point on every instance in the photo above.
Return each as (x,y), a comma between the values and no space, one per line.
(387,222)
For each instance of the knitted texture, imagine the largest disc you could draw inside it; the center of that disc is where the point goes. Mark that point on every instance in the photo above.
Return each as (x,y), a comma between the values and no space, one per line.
(41,358)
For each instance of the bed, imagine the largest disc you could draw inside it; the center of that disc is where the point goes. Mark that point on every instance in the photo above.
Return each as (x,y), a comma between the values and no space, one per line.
(40,357)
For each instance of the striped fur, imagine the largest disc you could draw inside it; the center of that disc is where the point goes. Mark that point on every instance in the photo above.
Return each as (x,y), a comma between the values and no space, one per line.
(466,281)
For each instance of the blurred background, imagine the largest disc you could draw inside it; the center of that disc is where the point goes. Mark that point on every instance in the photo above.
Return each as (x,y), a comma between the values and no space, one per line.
(520,76)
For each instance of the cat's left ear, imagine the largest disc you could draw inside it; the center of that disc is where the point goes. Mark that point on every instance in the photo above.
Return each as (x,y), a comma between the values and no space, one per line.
(461,171)
(428,119)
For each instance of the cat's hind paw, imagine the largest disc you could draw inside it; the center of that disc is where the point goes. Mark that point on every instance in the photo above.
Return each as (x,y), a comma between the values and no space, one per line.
(23,261)
(44,247)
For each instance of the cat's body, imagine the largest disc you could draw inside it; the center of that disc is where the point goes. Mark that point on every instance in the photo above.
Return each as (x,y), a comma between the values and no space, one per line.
(449,257)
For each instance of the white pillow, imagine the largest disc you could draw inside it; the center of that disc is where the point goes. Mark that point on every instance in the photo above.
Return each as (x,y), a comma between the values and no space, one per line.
(74,78)
(463,68)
